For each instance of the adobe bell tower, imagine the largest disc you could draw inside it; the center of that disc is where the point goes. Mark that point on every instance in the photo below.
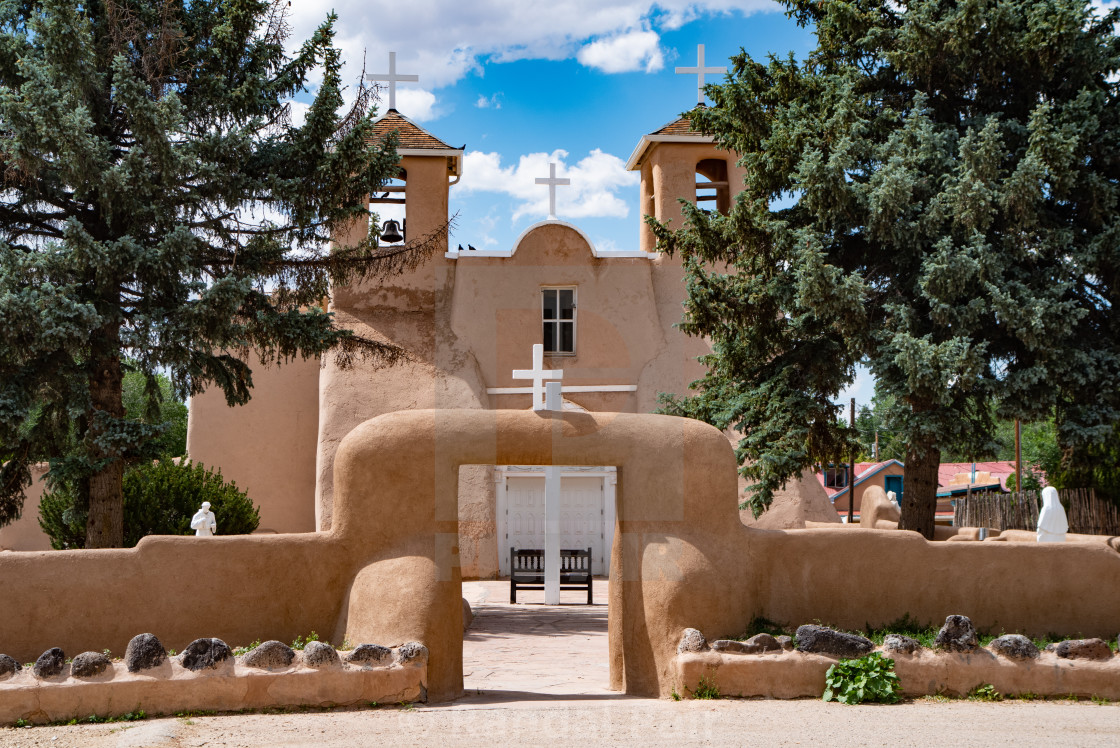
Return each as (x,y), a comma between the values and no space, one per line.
(678,163)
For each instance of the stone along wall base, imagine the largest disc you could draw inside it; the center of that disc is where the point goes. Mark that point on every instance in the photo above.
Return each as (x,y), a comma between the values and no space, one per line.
(792,675)
(171,688)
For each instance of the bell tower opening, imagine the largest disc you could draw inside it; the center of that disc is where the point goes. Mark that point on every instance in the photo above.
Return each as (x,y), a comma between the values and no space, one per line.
(712,185)
(391,207)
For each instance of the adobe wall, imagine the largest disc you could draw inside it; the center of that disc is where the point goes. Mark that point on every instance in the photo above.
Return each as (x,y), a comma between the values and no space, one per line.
(800,675)
(411,310)
(25,534)
(469,323)
(170,688)
(389,570)
(266,446)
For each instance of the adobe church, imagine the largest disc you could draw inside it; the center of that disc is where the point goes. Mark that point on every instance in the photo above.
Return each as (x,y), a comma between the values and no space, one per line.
(468,320)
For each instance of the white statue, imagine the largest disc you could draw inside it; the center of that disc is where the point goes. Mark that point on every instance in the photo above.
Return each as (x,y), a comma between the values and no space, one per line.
(203,522)
(893,498)
(1052,523)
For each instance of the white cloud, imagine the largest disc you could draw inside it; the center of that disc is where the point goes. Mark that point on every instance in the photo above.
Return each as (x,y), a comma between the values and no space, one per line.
(299,111)
(624,53)
(488,102)
(443,40)
(596,180)
(862,389)
(416,103)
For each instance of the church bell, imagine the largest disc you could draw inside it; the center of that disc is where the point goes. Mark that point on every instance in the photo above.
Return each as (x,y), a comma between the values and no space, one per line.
(391,232)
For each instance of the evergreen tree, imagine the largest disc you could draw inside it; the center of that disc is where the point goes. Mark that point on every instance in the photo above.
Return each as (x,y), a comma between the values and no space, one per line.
(933,192)
(158,204)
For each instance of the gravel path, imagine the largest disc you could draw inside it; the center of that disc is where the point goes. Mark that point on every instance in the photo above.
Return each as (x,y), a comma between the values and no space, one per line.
(621,722)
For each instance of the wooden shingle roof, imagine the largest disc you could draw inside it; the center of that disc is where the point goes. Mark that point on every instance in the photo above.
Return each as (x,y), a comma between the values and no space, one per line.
(678,131)
(411,135)
(682,126)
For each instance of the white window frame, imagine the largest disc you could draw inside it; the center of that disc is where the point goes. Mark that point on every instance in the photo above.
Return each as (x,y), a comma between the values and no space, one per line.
(558,321)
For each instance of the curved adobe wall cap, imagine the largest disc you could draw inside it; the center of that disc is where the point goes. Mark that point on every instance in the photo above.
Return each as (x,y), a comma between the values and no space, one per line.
(595,252)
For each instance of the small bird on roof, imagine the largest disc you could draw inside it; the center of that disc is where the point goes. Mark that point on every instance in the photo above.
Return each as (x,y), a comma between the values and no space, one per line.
(471,247)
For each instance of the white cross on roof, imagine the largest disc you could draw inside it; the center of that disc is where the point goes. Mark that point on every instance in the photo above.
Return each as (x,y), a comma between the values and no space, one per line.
(392,77)
(699,71)
(552,181)
(538,374)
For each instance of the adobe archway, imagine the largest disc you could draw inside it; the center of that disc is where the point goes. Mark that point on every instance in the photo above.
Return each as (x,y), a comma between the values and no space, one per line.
(669,472)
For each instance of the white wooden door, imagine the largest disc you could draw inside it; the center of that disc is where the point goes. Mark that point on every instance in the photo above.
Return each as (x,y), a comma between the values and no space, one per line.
(581,516)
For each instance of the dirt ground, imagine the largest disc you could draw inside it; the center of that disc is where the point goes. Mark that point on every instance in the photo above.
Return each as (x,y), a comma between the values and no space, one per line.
(537,675)
(621,722)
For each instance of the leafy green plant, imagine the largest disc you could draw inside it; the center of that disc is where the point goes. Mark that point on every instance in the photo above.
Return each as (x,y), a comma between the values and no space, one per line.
(676,696)
(300,642)
(706,689)
(21,722)
(870,678)
(159,499)
(985,692)
(238,651)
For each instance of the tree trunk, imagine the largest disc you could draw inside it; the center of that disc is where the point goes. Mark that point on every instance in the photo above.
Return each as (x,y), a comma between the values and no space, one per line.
(919,504)
(105,524)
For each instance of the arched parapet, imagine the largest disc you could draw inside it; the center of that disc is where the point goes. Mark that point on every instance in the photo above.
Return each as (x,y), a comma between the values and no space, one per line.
(595,251)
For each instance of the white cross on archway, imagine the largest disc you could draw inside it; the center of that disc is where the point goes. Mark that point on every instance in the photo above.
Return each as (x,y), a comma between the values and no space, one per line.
(699,71)
(551,472)
(552,181)
(392,77)
(538,374)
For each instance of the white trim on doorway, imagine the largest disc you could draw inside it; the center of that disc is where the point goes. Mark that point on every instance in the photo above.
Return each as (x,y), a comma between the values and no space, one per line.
(609,474)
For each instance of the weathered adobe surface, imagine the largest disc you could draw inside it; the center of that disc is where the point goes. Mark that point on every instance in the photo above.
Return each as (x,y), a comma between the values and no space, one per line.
(230,685)
(794,675)
(389,569)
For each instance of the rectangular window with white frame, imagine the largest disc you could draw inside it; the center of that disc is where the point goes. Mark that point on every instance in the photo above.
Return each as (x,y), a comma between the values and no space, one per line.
(558,311)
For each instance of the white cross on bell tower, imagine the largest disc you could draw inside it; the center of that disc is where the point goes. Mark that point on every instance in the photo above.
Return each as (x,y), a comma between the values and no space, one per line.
(392,78)
(699,71)
(552,182)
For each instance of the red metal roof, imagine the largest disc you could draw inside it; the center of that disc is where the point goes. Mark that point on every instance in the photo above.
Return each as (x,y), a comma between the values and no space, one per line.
(999,471)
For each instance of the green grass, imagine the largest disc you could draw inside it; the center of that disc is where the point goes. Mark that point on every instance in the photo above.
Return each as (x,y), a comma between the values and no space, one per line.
(705,689)
(94,719)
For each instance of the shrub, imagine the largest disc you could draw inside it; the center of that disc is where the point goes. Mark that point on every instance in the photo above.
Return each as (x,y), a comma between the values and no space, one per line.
(985,692)
(159,499)
(706,689)
(870,678)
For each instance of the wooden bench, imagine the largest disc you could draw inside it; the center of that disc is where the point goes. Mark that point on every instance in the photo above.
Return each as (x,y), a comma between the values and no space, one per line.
(527,571)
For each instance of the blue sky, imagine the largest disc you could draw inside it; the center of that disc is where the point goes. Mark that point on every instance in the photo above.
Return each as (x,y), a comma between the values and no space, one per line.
(522,84)
(577,82)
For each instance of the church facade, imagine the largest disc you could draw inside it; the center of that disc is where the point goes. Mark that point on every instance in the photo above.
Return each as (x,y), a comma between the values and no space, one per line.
(468,319)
